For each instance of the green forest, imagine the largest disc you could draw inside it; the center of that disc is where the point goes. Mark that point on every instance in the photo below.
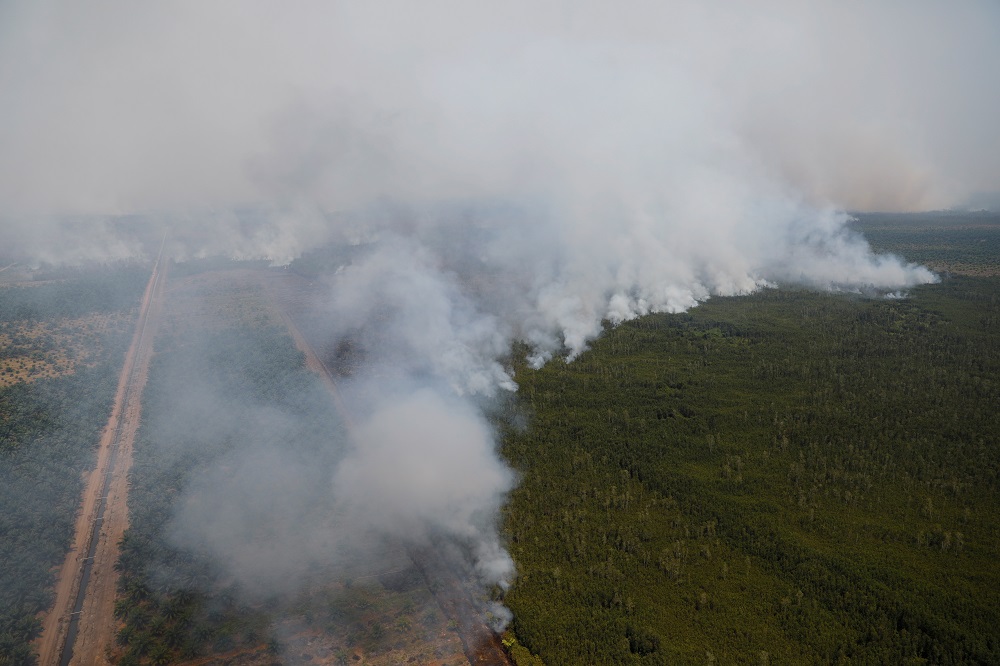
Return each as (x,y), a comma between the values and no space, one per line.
(948,241)
(49,430)
(788,477)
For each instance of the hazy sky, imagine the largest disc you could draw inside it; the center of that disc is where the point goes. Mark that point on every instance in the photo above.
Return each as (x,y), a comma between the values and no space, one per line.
(113,107)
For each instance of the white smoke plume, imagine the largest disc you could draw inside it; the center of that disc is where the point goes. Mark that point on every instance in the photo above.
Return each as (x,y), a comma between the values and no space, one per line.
(423,459)
(517,170)
(117,107)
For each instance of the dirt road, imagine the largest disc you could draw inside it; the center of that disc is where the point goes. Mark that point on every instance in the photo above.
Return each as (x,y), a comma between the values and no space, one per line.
(81,624)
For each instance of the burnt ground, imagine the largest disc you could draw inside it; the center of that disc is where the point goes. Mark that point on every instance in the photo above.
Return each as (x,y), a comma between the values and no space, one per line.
(296,298)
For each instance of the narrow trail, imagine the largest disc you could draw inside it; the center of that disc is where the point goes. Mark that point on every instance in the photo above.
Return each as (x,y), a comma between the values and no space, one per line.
(482,645)
(81,624)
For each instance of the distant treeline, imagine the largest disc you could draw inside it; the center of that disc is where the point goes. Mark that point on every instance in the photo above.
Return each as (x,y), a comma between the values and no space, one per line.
(947,240)
(216,263)
(75,294)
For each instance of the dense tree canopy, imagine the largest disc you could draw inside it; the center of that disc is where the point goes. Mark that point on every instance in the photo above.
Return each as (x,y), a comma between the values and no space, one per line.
(793,476)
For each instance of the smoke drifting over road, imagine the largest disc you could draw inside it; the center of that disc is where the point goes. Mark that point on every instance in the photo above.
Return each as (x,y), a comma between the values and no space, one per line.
(516,171)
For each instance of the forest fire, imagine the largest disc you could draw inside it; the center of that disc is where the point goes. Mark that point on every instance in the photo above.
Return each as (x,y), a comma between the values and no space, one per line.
(611,333)
(481,643)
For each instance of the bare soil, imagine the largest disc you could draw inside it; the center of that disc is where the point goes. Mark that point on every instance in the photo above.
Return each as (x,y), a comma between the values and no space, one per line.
(54,348)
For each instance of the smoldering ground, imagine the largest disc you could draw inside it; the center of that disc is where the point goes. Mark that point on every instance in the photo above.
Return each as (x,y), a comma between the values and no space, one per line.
(509,171)
(250,486)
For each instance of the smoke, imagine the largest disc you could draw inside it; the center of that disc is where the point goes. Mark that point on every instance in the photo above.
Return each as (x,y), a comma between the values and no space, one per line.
(119,107)
(419,320)
(513,171)
(424,459)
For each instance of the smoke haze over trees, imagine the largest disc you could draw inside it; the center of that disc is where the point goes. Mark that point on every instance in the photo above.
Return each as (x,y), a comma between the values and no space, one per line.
(514,172)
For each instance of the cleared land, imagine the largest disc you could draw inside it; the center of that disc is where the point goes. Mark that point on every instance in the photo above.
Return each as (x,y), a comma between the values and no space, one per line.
(378,612)
(481,644)
(31,350)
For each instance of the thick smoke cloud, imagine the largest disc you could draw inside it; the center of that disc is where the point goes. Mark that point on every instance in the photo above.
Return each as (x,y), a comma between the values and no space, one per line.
(117,107)
(426,323)
(426,460)
(515,171)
